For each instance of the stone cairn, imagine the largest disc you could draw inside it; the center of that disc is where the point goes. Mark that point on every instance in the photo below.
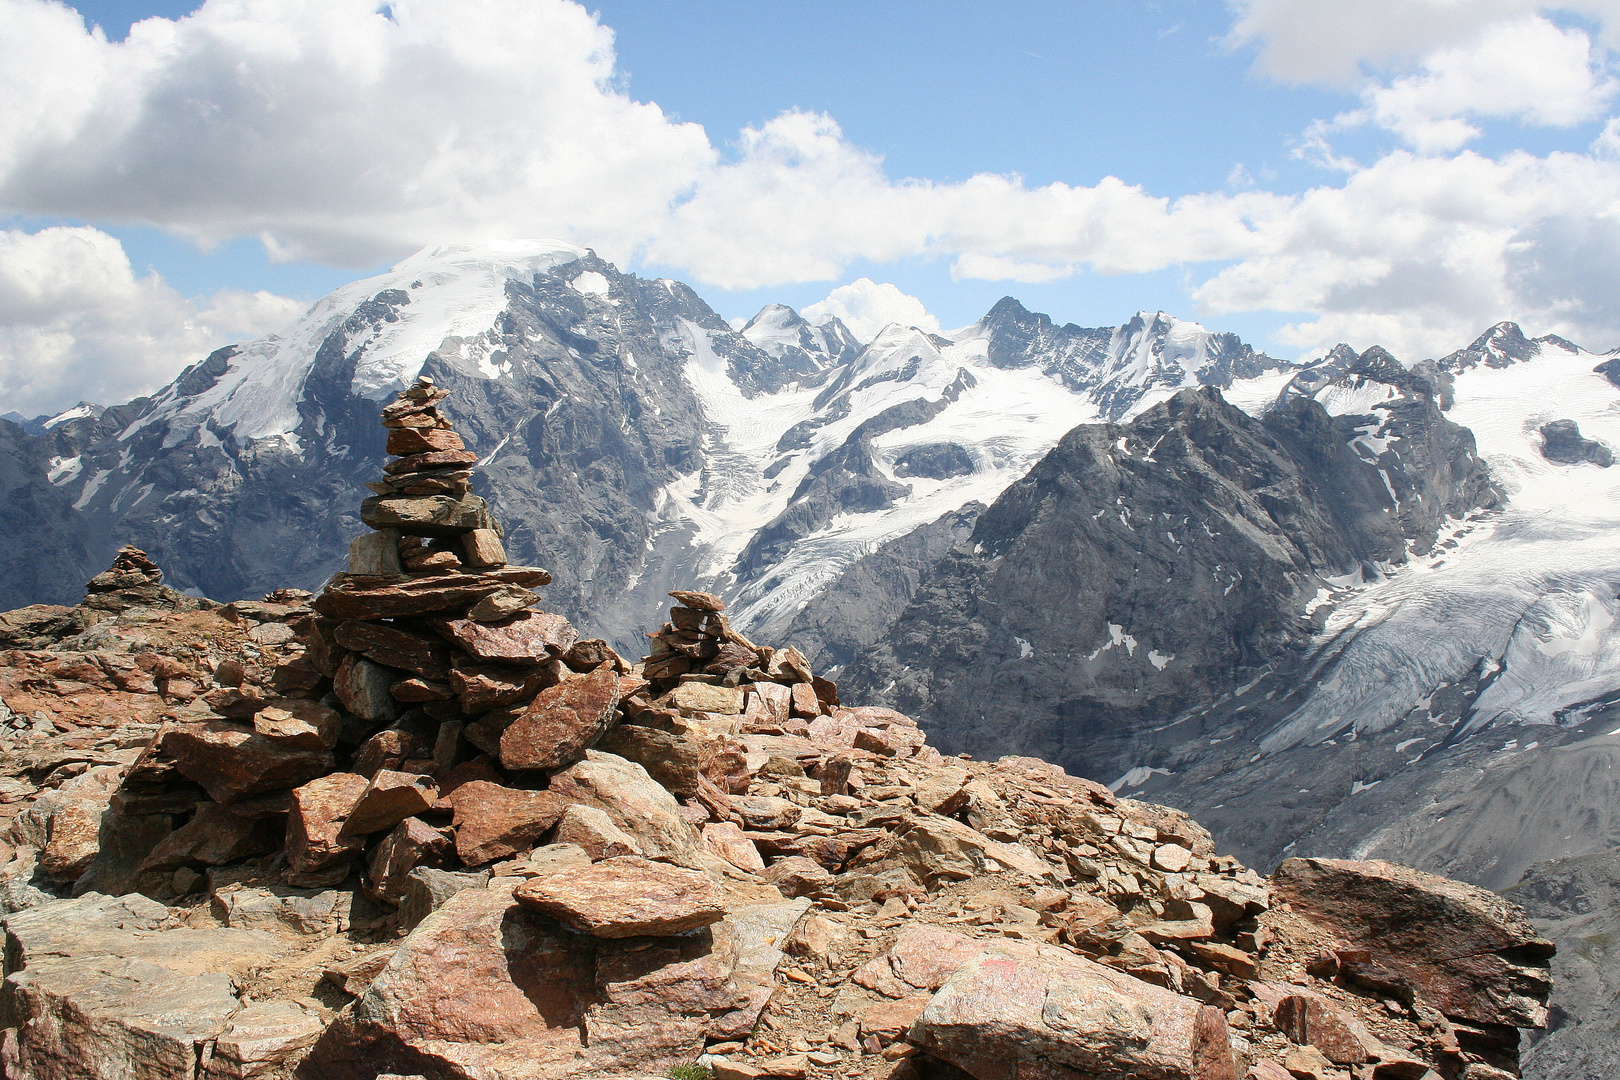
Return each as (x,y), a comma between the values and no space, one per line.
(426,722)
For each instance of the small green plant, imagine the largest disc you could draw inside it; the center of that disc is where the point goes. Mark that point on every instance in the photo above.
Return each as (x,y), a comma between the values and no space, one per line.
(691,1072)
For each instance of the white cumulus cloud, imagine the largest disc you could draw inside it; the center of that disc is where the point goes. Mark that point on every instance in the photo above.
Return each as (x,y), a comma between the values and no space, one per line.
(77,323)
(866,307)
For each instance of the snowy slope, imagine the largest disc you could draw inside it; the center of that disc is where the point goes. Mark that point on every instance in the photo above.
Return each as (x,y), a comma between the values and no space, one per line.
(1525,595)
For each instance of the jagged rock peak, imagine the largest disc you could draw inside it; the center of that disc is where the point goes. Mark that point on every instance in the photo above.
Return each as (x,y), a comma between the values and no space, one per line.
(1501,346)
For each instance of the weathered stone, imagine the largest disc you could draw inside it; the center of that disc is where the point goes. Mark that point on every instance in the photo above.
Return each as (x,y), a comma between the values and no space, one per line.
(501,604)
(628,896)
(944,791)
(418,691)
(1022,1009)
(426,889)
(562,722)
(944,849)
(726,840)
(482,687)
(433,459)
(1171,858)
(694,697)
(1308,1019)
(411,843)
(305,725)
(804,702)
(388,799)
(890,1020)
(376,554)
(798,876)
(388,749)
(635,802)
(395,648)
(485,987)
(315,837)
(216,836)
(702,601)
(404,442)
(766,812)
(1467,951)
(676,761)
(492,822)
(529,637)
(232,762)
(257,1040)
(775,700)
(426,515)
(593,832)
(350,597)
(363,687)
(483,547)
(926,957)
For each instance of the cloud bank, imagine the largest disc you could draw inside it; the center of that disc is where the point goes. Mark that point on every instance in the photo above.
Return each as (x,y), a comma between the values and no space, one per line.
(340,132)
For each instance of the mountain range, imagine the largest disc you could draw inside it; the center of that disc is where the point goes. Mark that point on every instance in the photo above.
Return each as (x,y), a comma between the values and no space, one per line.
(1148,552)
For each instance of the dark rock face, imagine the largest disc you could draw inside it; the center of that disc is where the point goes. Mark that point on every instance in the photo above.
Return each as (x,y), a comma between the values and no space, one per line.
(46,558)
(1501,346)
(1562,442)
(1143,571)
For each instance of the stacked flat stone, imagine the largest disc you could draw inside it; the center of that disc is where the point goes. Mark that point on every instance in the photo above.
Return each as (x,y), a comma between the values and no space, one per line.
(433,702)
(698,662)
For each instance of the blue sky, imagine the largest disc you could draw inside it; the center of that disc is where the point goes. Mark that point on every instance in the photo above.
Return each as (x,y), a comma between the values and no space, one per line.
(1386,171)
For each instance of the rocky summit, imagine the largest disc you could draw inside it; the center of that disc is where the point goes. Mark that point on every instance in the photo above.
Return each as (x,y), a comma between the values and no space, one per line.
(416,827)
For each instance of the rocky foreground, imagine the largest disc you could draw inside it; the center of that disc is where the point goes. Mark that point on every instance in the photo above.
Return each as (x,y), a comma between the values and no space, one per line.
(415,827)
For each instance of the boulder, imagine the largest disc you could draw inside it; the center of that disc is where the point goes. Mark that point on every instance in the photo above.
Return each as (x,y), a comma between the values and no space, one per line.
(727,841)
(1038,1010)
(411,843)
(302,725)
(363,686)
(562,722)
(426,889)
(1465,950)
(696,697)
(389,798)
(260,1038)
(486,987)
(594,833)
(627,896)
(635,802)
(315,836)
(232,762)
(216,835)
(677,761)
(482,547)
(499,605)
(529,637)
(492,821)
(396,648)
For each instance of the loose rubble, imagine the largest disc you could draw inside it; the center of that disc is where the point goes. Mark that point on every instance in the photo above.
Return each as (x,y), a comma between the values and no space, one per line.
(415,827)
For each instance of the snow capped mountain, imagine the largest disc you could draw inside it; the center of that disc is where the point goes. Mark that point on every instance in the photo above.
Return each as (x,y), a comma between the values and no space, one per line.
(632,439)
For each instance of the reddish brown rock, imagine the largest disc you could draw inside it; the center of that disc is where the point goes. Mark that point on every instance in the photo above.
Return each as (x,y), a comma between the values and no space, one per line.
(594,833)
(804,702)
(396,648)
(530,637)
(492,822)
(349,597)
(412,843)
(1311,1021)
(1022,1009)
(387,749)
(431,460)
(636,803)
(482,547)
(418,691)
(426,515)
(562,722)
(389,798)
(702,601)
(1464,949)
(407,441)
(232,762)
(306,725)
(726,840)
(315,838)
(488,686)
(215,836)
(798,876)
(626,897)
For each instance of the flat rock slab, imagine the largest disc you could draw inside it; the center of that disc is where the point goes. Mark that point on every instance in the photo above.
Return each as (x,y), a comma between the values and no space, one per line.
(529,637)
(628,896)
(231,761)
(1465,949)
(492,821)
(426,515)
(388,799)
(487,988)
(1029,1010)
(562,722)
(396,648)
(109,987)
(355,597)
